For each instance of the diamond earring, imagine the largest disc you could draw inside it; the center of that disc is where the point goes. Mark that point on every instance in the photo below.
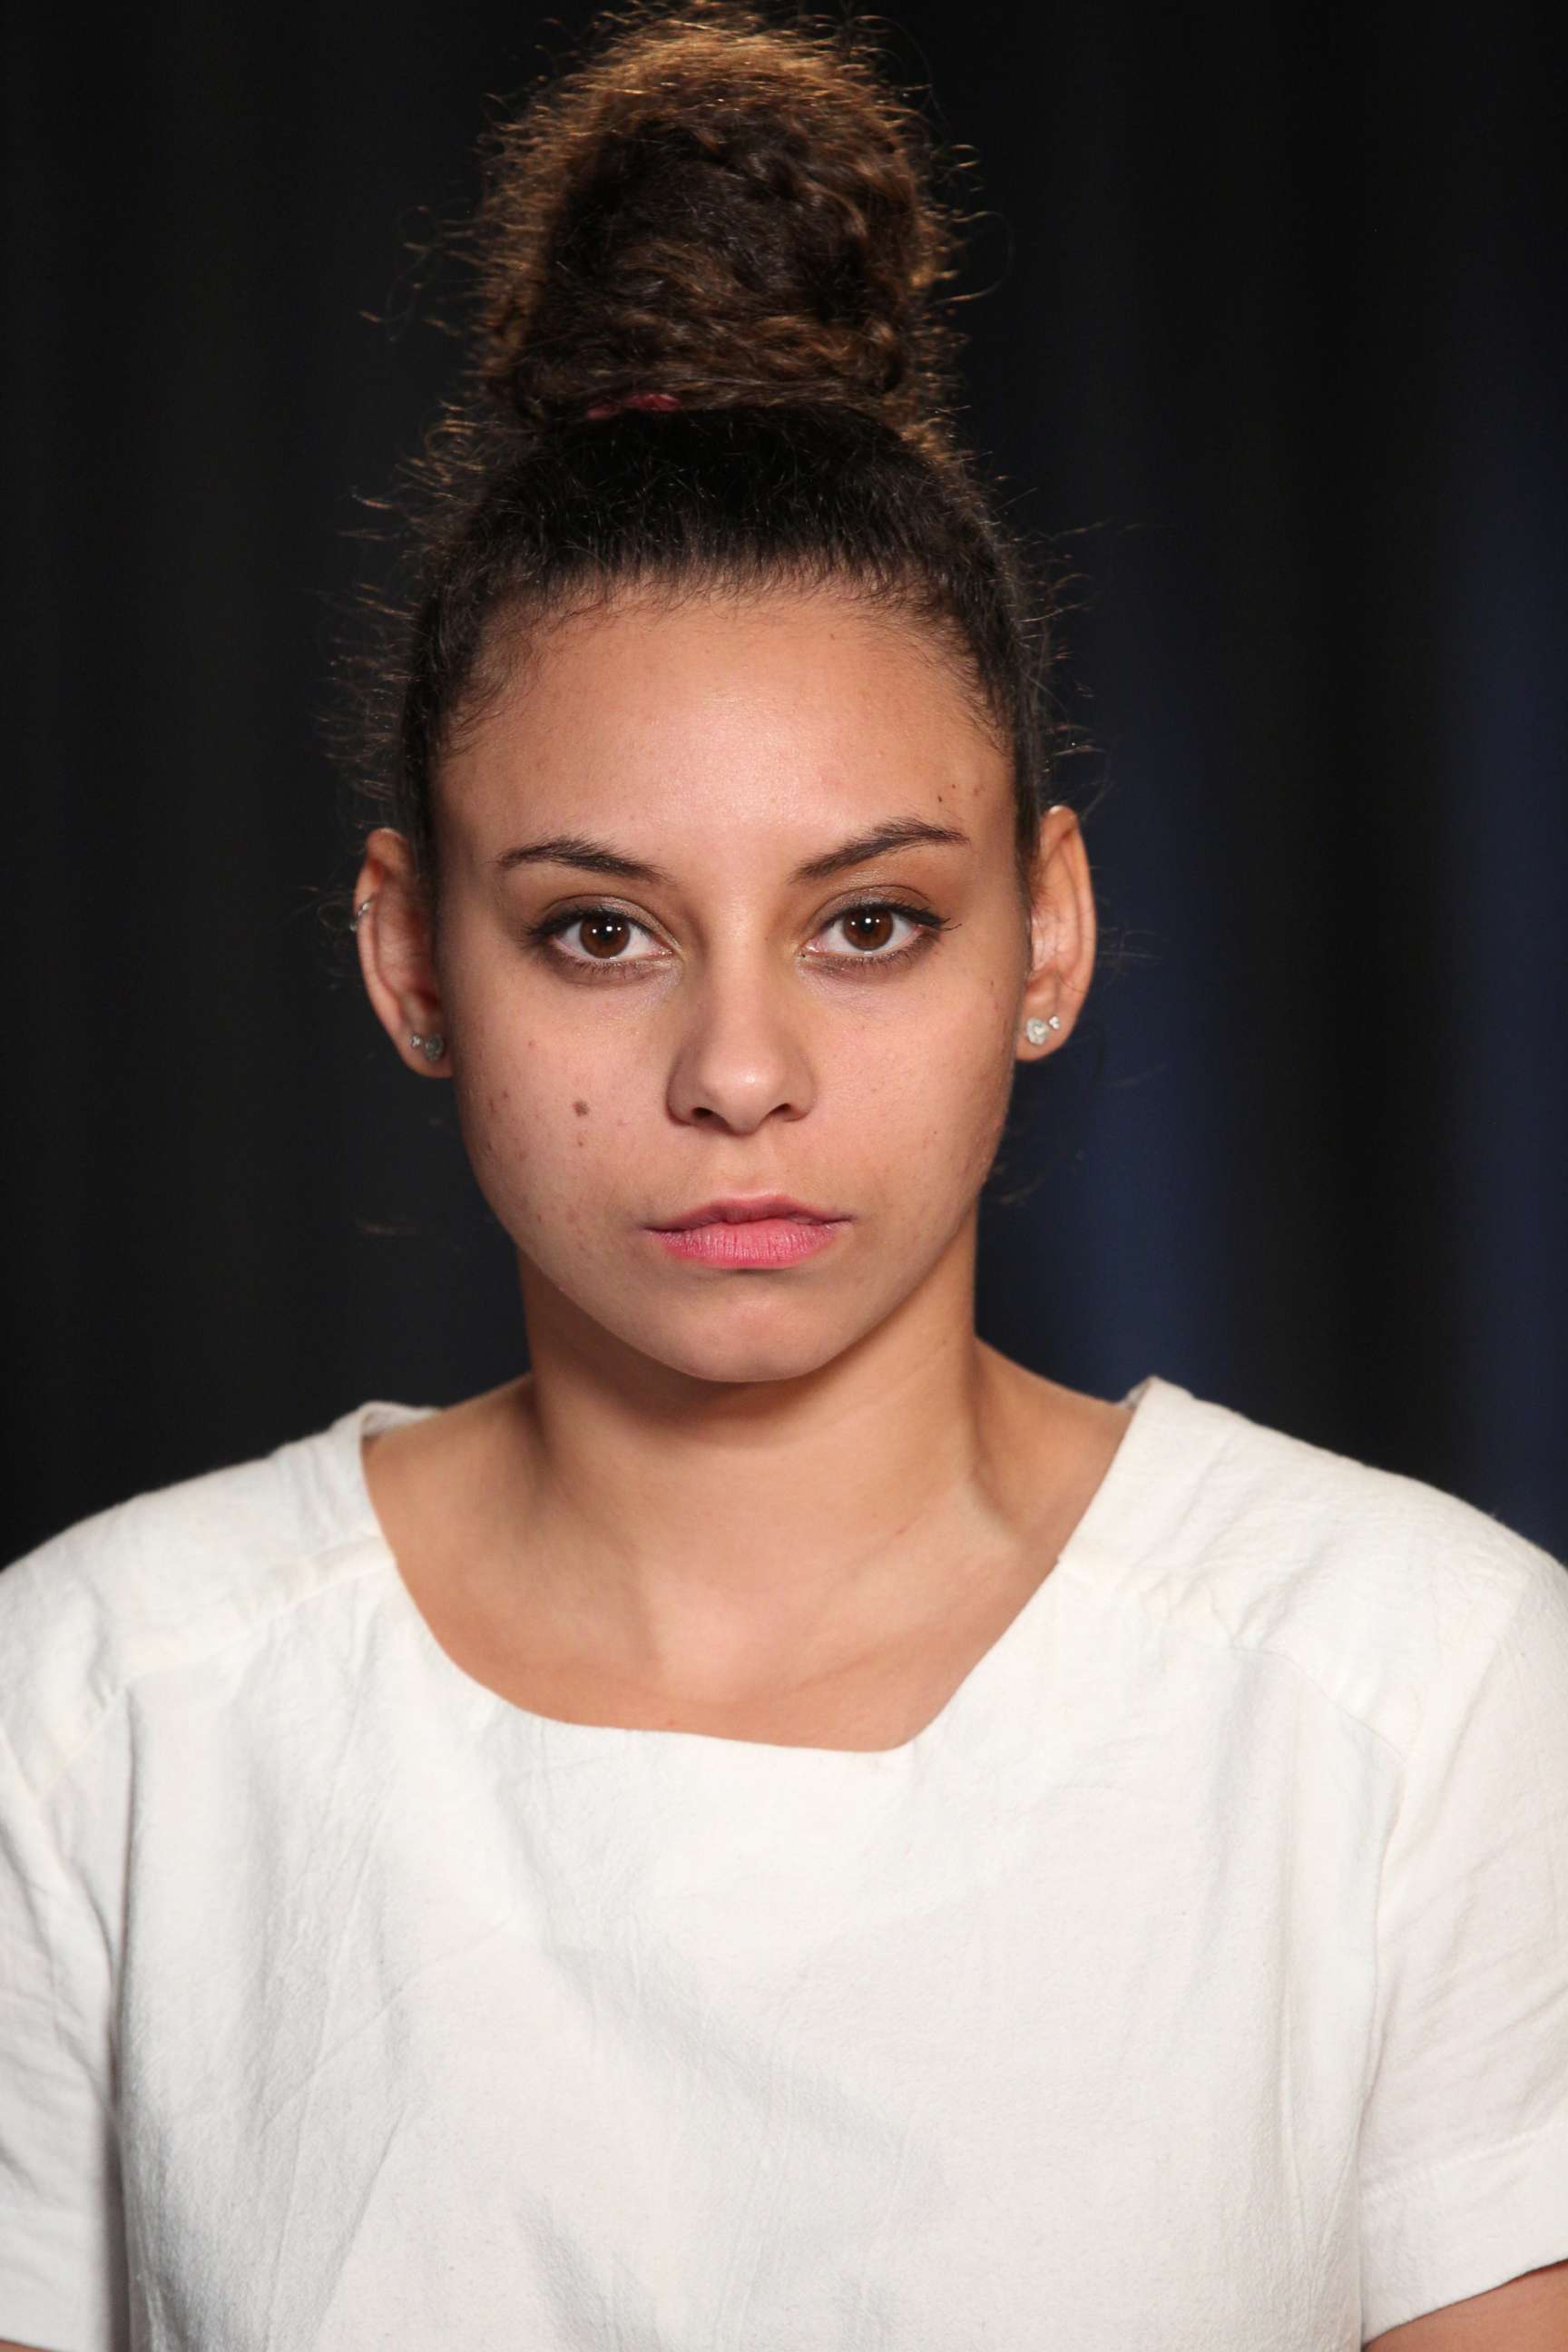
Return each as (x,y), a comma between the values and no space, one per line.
(1038,1031)
(432,1047)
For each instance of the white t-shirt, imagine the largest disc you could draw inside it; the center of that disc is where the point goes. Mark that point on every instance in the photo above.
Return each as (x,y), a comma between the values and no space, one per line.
(1197,1981)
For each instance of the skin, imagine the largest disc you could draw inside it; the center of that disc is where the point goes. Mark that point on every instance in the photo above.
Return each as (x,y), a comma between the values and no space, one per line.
(1527,2313)
(710,1472)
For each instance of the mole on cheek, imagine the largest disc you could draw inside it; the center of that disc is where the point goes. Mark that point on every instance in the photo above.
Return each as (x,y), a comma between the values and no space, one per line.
(581,1109)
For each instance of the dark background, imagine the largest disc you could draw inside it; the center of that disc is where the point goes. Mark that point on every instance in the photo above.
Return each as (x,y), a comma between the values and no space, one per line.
(1273,344)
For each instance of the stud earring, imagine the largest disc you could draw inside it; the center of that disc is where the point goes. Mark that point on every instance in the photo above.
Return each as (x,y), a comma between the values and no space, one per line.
(432,1047)
(1038,1031)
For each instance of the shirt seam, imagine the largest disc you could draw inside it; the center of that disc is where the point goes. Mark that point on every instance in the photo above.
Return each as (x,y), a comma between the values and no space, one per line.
(1410,2177)
(1234,1648)
(44,1796)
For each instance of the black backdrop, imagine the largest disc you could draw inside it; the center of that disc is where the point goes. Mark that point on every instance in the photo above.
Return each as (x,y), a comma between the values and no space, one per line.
(1270,335)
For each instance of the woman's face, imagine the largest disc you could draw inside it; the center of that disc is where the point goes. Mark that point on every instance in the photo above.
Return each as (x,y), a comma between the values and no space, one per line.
(627,1046)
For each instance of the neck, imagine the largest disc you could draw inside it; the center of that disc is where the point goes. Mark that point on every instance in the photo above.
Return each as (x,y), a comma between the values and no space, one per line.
(689,1528)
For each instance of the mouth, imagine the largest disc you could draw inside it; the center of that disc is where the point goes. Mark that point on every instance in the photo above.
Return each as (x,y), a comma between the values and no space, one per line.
(759,1209)
(759,1243)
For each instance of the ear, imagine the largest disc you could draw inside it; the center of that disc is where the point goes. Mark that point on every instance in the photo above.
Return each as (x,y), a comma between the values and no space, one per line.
(1061,930)
(395,950)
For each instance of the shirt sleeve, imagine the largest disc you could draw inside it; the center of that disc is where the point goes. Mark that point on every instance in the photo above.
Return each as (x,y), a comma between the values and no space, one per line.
(61,2230)
(1463,2144)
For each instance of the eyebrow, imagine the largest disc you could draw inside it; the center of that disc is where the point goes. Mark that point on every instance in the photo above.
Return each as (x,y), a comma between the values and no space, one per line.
(596,857)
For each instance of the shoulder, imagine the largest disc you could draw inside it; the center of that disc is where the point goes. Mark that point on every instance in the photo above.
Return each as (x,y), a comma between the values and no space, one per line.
(166,1578)
(1369,1582)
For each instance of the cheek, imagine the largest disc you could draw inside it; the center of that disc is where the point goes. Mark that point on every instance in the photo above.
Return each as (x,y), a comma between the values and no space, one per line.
(555,1135)
(959,1057)
(958,1093)
(530,1125)
(970,1095)
(922,1116)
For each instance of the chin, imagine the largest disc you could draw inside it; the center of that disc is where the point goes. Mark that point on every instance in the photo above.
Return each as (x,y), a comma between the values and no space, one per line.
(700,1348)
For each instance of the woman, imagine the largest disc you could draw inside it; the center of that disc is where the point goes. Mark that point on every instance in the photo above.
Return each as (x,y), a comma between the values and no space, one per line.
(778,1827)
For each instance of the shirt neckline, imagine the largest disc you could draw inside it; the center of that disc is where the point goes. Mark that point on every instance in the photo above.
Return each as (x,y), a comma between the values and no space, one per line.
(1116,1509)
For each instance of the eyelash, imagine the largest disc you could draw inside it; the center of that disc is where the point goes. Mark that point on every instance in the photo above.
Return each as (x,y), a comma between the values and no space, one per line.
(540,935)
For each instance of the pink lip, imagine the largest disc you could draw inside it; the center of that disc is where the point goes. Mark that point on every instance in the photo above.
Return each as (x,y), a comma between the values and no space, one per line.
(754,1241)
(738,1206)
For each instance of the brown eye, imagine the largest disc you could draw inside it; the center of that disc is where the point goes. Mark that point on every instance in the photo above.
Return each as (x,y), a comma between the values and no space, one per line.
(604,936)
(868,926)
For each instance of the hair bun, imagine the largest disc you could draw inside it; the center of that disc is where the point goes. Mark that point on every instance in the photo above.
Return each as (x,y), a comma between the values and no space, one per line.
(718,210)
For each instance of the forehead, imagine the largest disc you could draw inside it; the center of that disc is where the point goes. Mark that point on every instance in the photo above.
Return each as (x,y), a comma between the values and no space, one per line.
(794,708)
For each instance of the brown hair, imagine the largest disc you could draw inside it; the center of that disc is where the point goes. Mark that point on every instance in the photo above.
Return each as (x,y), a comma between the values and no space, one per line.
(743,216)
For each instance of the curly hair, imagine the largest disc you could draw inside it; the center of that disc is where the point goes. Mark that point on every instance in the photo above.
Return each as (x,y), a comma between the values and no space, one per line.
(707,356)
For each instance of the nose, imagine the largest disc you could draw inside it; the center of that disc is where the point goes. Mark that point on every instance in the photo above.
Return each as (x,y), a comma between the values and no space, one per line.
(741,1055)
